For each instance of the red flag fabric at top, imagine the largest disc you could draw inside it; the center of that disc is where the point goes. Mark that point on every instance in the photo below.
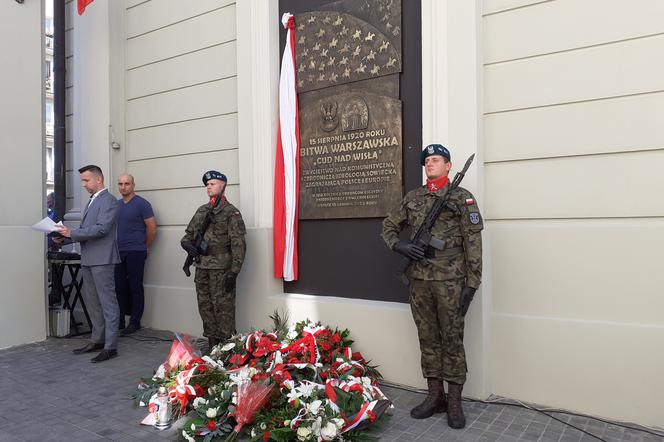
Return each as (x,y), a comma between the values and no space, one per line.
(287,164)
(82,4)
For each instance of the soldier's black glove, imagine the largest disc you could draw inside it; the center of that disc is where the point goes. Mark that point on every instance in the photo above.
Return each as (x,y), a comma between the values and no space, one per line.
(190,248)
(409,250)
(467,295)
(229,281)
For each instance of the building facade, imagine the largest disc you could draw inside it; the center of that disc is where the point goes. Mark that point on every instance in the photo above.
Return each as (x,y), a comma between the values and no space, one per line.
(565,130)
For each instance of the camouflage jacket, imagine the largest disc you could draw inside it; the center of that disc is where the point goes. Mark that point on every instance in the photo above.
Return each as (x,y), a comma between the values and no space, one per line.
(225,237)
(459,225)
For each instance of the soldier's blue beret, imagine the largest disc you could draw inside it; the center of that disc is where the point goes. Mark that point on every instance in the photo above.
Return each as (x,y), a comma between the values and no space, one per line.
(213,175)
(435,149)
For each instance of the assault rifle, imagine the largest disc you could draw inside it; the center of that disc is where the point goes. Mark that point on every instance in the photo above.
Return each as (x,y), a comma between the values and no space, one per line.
(423,237)
(198,246)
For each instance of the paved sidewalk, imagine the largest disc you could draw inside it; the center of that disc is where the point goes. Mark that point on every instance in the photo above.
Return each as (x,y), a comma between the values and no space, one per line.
(49,394)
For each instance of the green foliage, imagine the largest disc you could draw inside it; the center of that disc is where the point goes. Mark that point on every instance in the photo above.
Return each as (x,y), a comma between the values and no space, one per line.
(320,383)
(280,322)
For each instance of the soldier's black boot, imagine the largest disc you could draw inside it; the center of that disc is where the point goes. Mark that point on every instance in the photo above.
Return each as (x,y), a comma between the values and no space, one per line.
(435,402)
(455,417)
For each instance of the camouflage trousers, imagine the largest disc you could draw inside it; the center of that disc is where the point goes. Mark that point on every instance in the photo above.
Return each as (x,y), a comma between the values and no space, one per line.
(215,305)
(435,308)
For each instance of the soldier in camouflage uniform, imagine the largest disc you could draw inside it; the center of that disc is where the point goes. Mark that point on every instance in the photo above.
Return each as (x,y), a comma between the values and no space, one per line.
(217,269)
(442,282)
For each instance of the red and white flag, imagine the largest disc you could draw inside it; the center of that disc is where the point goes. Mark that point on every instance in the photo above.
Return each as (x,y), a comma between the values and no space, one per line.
(82,4)
(287,164)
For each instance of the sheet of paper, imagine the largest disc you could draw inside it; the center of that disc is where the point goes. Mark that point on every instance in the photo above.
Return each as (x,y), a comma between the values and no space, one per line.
(46,225)
(150,419)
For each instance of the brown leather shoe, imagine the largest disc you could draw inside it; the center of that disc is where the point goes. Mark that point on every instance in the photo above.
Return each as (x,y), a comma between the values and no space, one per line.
(88,348)
(104,355)
(455,416)
(435,402)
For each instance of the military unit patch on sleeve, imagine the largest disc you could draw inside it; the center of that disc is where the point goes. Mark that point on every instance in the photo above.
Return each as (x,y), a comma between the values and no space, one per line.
(241,226)
(474,218)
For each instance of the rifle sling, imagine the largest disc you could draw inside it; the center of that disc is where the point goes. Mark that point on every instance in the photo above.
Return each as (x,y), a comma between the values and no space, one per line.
(436,210)
(208,218)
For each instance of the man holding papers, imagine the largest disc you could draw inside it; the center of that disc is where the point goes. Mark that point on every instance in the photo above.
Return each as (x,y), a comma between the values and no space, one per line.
(99,254)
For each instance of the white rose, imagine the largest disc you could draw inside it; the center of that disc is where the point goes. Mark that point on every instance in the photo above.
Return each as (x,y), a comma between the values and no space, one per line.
(315,427)
(212,363)
(186,436)
(338,422)
(161,372)
(211,412)
(303,433)
(193,427)
(253,432)
(329,431)
(198,402)
(228,346)
(292,334)
(314,406)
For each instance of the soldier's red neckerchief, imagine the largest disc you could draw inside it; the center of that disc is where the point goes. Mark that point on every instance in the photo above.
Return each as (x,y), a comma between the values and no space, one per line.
(438,183)
(214,198)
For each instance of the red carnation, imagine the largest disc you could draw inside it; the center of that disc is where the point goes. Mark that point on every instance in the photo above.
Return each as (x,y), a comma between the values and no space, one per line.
(200,391)
(211,425)
(259,376)
(264,346)
(359,358)
(356,387)
(238,359)
(266,436)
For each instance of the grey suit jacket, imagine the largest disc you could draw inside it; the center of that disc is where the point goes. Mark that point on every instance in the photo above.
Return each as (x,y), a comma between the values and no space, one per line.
(97,232)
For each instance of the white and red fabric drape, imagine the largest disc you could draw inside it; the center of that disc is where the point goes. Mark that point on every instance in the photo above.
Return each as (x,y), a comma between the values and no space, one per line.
(287,164)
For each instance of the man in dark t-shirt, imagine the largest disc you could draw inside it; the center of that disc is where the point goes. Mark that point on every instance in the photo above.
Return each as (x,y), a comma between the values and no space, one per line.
(137,230)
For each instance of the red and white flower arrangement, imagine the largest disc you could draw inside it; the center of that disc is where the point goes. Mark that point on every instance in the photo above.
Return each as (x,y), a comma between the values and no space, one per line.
(302,383)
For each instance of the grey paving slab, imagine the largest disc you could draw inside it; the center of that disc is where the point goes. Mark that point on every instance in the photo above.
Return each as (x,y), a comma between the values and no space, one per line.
(75,400)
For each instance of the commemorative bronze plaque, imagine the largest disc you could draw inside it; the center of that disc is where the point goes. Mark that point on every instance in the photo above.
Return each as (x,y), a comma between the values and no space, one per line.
(350,151)
(348,59)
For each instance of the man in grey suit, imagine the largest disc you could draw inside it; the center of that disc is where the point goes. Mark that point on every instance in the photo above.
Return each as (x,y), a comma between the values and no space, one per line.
(99,254)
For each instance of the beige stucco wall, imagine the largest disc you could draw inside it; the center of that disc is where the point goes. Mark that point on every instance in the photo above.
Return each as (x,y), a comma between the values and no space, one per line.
(567,139)
(201,88)
(180,80)
(573,149)
(22,296)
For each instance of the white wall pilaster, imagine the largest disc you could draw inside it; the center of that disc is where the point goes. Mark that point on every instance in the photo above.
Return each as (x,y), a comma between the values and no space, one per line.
(91,97)
(258,77)
(452,115)
(258,95)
